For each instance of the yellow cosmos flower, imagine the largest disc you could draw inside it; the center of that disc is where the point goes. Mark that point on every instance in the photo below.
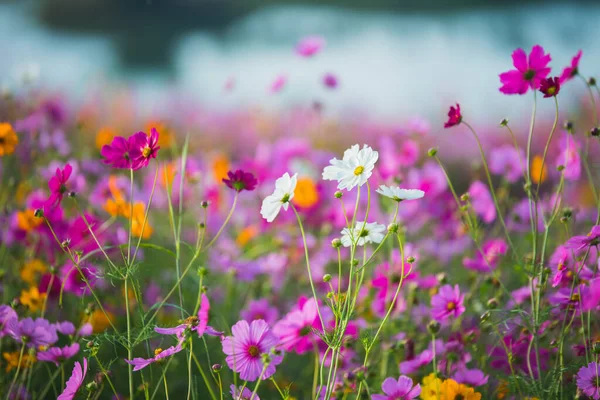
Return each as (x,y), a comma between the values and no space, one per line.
(8,139)
(104,136)
(31,270)
(220,167)
(452,390)
(537,174)
(431,388)
(165,138)
(27,221)
(306,194)
(12,360)
(246,235)
(99,321)
(33,299)
(137,223)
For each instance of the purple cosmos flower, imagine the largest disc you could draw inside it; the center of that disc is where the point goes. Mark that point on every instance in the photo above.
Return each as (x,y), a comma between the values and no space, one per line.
(260,309)
(34,333)
(7,313)
(447,302)
(454,116)
(578,243)
(528,73)
(86,330)
(58,354)
(58,186)
(481,201)
(550,87)
(487,260)
(143,148)
(295,329)
(471,377)
(402,389)
(247,345)
(117,153)
(572,70)
(65,327)
(73,282)
(159,354)
(519,350)
(330,81)
(507,162)
(569,157)
(588,380)
(242,394)
(240,180)
(414,364)
(310,45)
(75,381)
(198,324)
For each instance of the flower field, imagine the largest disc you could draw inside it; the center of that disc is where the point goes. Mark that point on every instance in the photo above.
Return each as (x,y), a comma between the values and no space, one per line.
(191,253)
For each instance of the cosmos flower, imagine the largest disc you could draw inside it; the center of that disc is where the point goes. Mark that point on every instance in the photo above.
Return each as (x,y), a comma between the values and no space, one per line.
(447,302)
(397,194)
(242,393)
(240,180)
(507,162)
(75,381)
(7,313)
(295,330)
(281,197)
(58,186)
(487,260)
(354,169)
(572,70)
(330,81)
(550,87)
(198,324)
(528,72)
(58,354)
(454,116)
(481,201)
(309,46)
(143,148)
(117,153)
(34,333)
(260,309)
(363,233)
(278,84)
(159,354)
(588,380)
(401,389)
(451,390)
(578,243)
(471,377)
(8,139)
(246,347)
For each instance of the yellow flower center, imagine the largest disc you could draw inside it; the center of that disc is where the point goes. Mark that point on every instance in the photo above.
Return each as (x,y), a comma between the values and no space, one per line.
(359,170)
(451,306)
(146,152)
(253,350)
(157,351)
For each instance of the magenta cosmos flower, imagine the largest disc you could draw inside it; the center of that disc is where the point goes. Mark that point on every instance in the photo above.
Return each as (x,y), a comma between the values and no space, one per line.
(310,45)
(116,154)
(240,180)
(75,381)
(550,87)
(58,186)
(245,348)
(143,148)
(278,84)
(572,70)
(454,116)
(242,393)
(401,389)
(581,242)
(296,329)
(487,259)
(588,380)
(447,302)
(58,354)
(330,81)
(529,72)
(259,309)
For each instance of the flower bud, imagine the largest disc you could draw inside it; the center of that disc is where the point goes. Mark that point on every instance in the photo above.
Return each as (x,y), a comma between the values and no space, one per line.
(568,125)
(410,260)
(595,131)
(392,228)
(202,271)
(465,197)
(442,278)
(560,168)
(336,243)
(326,278)
(338,194)
(216,367)
(492,303)
(432,152)
(592,81)
(92,386)
(204,204)
(65,243)
(433,327)
(201,225)
(72,195)
(504,122)
(38,213)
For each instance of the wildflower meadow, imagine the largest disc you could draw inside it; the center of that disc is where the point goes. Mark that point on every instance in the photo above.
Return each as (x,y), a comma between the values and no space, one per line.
(199,254)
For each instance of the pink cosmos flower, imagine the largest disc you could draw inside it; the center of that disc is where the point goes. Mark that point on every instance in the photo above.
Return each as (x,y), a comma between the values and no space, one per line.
(278,84)
(454,116)
(581,242)
(295,329)
(447,302)
(471,377)
(487,260)
(550,87)
(58,354)
(240,180)
(74,382)
(245,348)
(507,162)
(143,148)
(58,186)
(198,324)
(117,153)
(7,313)
(570,158)
(481,201)
(588,379)
(159,354)
(528,73)
(401,389)
(330,81)
(309,46)
(260,309)
(242,393)
(572,70)
(73,281)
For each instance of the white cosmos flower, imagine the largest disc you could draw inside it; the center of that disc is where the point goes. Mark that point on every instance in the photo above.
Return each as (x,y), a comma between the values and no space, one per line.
(354,169)
(371,233)
(281,197)
(397,194)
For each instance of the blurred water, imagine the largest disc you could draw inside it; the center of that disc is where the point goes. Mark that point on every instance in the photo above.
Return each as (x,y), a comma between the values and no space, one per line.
(390,64)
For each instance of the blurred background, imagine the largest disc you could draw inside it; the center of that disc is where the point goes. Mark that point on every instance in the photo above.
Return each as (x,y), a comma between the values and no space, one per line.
(391,57)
